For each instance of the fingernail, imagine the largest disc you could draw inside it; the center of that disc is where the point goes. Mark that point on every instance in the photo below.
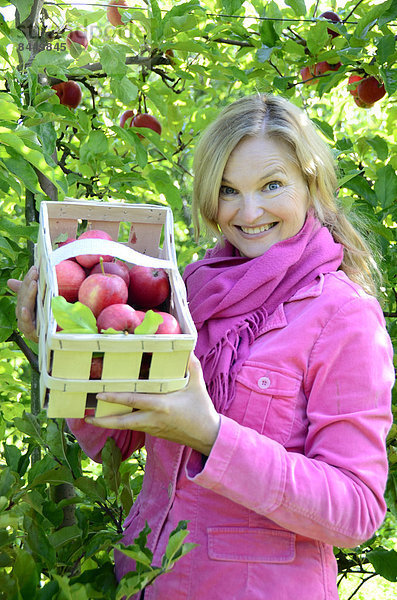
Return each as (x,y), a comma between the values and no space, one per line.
(101,396)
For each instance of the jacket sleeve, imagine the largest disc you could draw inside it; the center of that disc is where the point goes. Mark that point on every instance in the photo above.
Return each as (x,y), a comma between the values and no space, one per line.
(92,439)
(333,491)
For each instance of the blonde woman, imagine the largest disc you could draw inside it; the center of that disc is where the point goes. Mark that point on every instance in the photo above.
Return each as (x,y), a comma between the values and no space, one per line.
(275,451)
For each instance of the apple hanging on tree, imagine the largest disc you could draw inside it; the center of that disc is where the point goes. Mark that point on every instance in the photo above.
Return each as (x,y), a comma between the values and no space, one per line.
(370,90)
(75,39)
(114,14)
(127,117)
(334,18)
(68,92)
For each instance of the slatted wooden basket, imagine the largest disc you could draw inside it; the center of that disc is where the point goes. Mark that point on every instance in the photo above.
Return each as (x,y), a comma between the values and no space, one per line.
(65,359)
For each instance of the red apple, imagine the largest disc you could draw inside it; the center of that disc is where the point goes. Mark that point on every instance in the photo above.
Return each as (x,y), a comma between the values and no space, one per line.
(76,37)
(68,92)
(362,104)
(370,90)
(148,287)
(324,67)
(127,117)
(96,367)
(70,276)
(334,18)
(145,120)
(307,75)
(121,317)
(113,13)
(354,79)
(67,241)
(116,268)
(169,324)
(89,260)
(99,291)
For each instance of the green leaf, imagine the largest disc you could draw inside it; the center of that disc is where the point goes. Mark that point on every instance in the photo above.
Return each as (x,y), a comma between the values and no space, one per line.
(386,48)
(56,476)
(264,53)
(325,128)
(384,562)
(73,317)
(23,170)
(111,461)
(386,186)
(389,14)
(113,59)
(93,489)
(380,146)
(8,111)
(389,77)
(65,535)
(175,543)
(39,543)
(24,7)
(150,323)
(26,572)
(34,157)
(134,552)
(124,89)
(298,6)
(317,37)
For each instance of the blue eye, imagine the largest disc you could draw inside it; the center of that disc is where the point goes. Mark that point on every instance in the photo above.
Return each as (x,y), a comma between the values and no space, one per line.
(273,185)
(226,190)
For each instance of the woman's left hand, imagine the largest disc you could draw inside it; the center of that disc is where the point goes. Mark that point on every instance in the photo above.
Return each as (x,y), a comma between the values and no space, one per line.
(186,416)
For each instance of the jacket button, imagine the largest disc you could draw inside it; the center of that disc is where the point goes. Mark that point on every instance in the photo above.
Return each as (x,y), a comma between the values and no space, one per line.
(169,490)
(263,383)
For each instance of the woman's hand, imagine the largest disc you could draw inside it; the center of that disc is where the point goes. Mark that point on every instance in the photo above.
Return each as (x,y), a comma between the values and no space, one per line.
(26,302)
(186,416)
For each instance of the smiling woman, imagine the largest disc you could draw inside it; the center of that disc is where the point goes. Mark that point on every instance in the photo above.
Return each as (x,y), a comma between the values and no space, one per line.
(264,204)
(275,450)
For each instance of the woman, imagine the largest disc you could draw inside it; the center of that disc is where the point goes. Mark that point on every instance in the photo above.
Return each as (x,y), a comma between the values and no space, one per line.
(275,450)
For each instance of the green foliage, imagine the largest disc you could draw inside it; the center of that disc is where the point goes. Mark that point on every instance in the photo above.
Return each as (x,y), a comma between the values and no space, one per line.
(221,50)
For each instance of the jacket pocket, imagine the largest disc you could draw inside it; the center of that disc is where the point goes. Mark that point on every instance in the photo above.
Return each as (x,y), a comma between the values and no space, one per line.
(271,397)
(251,544)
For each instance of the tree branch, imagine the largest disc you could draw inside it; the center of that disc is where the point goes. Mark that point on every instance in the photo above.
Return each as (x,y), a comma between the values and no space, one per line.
(22,345)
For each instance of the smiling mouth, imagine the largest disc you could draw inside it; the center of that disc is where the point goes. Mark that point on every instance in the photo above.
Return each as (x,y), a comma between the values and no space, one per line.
(256,230)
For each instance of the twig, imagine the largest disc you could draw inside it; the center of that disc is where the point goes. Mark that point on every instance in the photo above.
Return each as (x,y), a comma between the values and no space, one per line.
(22,345)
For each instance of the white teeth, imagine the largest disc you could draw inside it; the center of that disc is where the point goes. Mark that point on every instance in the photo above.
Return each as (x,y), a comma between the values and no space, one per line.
(257,229)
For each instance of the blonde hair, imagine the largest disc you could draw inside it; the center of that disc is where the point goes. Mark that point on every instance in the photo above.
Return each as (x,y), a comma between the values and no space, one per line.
(276,117)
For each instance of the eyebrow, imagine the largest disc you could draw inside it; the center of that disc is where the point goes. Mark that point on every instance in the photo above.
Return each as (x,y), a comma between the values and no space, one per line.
(278,171)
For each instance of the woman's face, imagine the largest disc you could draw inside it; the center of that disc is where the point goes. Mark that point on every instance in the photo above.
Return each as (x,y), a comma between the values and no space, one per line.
(263,197)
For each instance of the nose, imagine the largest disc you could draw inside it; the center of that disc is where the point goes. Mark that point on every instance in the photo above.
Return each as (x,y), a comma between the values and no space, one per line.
(251,208)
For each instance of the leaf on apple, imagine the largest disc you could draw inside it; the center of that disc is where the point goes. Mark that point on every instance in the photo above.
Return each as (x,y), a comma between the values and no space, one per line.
(73,317)
(150,323)
(110,330)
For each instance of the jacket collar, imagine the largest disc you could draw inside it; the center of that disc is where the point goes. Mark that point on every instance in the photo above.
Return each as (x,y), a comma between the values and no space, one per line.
(277,319)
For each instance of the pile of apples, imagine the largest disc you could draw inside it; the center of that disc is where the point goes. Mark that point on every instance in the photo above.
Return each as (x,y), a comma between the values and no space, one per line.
(118,295)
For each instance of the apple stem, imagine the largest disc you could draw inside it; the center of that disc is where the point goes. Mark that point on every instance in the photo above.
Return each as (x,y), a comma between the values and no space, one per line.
(101,263)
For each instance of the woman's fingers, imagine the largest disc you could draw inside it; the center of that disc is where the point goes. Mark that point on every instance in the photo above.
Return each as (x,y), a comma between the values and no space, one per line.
(26,303)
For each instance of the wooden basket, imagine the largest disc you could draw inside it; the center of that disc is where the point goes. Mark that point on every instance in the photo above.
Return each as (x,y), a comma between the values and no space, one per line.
(66,390)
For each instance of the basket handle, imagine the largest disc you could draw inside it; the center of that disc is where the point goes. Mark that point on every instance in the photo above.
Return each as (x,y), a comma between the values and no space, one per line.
(108,247)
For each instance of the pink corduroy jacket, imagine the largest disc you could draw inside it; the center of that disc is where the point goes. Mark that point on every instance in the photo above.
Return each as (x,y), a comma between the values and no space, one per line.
(299,464)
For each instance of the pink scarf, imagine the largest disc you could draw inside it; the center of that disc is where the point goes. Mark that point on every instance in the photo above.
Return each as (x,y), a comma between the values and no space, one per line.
(231,296)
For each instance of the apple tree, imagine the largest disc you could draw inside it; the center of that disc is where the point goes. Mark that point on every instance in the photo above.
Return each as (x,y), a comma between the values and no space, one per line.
(106,102)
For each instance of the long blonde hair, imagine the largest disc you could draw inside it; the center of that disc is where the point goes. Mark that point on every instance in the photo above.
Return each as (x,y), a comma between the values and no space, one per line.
(276,117)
